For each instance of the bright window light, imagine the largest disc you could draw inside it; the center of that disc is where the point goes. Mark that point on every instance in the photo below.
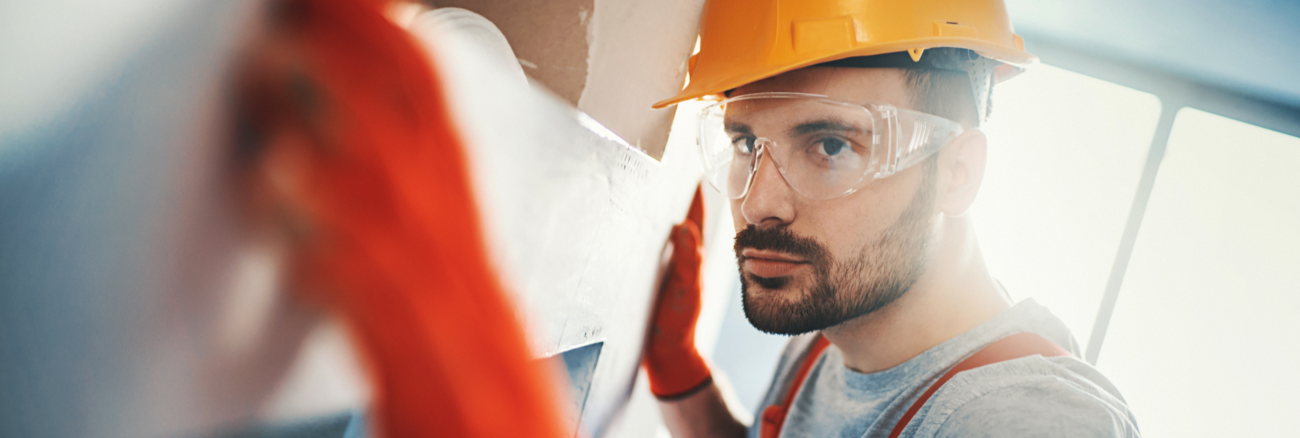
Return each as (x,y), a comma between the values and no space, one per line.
(1204,336)
(1065,155)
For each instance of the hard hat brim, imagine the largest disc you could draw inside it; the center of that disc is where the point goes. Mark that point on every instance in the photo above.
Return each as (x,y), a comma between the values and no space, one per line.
(1019,59)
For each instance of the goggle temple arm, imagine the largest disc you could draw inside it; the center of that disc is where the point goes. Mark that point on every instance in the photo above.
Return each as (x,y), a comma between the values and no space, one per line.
(915,136)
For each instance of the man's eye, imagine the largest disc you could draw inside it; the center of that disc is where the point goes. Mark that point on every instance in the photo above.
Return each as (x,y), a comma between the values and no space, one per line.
(831,146)
(744,144)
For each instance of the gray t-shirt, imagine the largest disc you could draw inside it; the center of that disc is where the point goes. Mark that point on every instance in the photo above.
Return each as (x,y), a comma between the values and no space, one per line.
(1027,397)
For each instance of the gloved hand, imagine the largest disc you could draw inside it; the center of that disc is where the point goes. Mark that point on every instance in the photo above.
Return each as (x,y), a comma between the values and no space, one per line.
(673,365)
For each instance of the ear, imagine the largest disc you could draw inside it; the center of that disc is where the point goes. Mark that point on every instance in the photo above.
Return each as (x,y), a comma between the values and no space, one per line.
(965,161)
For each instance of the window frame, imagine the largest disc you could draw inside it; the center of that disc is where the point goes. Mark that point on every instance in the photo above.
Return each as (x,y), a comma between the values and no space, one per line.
(1175,93)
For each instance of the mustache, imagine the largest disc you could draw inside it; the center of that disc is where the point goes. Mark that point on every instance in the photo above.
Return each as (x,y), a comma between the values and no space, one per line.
(781,239)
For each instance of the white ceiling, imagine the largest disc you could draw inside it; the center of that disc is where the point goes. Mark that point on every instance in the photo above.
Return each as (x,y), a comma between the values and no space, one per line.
(1250,46)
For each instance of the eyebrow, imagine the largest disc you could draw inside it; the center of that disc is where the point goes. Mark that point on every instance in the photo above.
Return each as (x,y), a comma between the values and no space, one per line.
(823,126)
(739,128)
(832,125)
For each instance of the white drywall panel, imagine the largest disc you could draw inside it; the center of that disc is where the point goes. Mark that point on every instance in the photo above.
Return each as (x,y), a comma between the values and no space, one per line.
(611,59)
(578,220)
(637,56)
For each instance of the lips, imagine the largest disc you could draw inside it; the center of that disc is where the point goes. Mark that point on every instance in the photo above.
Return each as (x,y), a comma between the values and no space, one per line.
(769,264)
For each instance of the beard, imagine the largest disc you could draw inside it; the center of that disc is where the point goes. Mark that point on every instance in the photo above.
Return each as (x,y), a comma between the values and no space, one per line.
(881,271)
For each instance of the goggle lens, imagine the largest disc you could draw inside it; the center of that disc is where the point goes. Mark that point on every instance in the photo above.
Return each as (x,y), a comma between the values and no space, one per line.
(824,148)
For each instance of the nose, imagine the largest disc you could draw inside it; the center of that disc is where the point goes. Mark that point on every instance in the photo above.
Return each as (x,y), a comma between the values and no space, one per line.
(770,197)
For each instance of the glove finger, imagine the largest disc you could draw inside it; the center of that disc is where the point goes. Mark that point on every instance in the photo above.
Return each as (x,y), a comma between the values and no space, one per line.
(696,212)
(687,245)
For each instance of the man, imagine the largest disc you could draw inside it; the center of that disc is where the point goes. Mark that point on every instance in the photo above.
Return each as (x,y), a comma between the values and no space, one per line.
(848,143)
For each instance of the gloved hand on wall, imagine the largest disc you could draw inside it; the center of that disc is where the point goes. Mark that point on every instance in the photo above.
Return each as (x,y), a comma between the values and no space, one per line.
(673,365)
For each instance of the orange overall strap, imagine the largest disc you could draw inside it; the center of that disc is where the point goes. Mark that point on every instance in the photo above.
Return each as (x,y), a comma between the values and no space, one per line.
(774,415)
(1011,347)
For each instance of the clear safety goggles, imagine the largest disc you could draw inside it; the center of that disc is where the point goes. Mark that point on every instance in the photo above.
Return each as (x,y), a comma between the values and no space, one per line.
(824,148)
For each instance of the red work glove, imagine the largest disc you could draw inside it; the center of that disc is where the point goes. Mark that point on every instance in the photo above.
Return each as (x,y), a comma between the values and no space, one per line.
(673,365)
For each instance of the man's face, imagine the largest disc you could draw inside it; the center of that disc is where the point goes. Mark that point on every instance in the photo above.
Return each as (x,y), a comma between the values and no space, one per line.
(807,265)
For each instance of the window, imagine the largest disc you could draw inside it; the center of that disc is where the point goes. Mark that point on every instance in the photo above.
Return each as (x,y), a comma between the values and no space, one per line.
(1204,340)
(1065,155)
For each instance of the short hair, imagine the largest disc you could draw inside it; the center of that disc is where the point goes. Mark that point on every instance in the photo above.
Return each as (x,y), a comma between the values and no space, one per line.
(944,93)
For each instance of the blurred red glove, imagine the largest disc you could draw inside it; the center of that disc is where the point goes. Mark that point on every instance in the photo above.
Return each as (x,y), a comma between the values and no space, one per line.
(364,168)
(673,365)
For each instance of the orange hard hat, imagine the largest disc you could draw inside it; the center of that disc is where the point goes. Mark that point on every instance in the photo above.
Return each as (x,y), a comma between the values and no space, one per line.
(743,41)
